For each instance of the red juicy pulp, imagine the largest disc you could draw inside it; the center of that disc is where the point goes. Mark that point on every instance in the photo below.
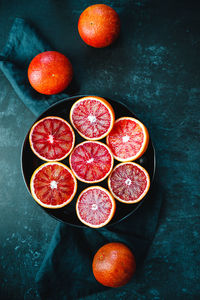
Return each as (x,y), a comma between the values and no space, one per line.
(53,196)
(94,206)
(128,182)
(121,129)
(91,108)
(91,161)
(48,130)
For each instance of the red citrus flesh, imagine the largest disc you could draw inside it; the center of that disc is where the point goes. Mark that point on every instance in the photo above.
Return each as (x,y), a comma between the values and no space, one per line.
(128,140)
(52,139)
(129,182)
(95,207)
(93,117)
(114,265)
(99,25)
(50,72)
(91,161)
(53,185)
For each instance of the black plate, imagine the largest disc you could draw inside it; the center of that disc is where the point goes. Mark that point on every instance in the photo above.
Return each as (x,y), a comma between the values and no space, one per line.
(30,162)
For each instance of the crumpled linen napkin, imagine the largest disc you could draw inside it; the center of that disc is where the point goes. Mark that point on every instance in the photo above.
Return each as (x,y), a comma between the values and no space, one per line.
(23,44)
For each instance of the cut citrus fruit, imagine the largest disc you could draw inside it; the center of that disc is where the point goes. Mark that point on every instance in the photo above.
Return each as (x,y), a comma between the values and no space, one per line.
(95,207)
(129,182)
(53,185)
(93,117)
(52,139)
(128,140)
(91,161)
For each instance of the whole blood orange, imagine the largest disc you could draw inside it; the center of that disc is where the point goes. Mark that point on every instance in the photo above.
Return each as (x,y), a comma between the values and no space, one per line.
(93,117)
(129,182)
(95,207)
(91,161)
(128,139)
(52,138)
(99,25)
(50,72)
(53,185)
(114,265)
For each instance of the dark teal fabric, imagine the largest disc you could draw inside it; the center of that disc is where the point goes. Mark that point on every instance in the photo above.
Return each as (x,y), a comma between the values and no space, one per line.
(23,44)
(66,272)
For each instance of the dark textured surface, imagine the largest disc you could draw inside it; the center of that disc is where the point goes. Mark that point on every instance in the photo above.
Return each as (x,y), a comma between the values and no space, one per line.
(66,272)
(154,69)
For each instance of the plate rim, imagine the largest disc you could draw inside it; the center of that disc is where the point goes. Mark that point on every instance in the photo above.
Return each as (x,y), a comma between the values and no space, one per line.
(27,136)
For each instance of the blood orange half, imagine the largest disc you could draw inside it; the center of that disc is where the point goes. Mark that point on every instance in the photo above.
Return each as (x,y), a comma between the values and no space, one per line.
(128,139)
(129,182)
(53,185)
(52,139)
(91,161)
(93,117)
(95,207)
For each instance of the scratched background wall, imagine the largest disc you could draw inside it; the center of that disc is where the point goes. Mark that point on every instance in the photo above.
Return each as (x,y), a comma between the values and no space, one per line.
(154,69)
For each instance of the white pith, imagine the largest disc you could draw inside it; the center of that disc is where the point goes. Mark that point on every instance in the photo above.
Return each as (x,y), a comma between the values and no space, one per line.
(90,160)
(128,181)
(51,138)
(125,138)
(53,184)
(92,119)
(94,207)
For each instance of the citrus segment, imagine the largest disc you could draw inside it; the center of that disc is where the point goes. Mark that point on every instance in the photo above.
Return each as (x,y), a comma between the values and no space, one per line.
(129,182)
(53,185)
(95,207)
(52,139)
(91,161)
(128,139)
(93,117)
